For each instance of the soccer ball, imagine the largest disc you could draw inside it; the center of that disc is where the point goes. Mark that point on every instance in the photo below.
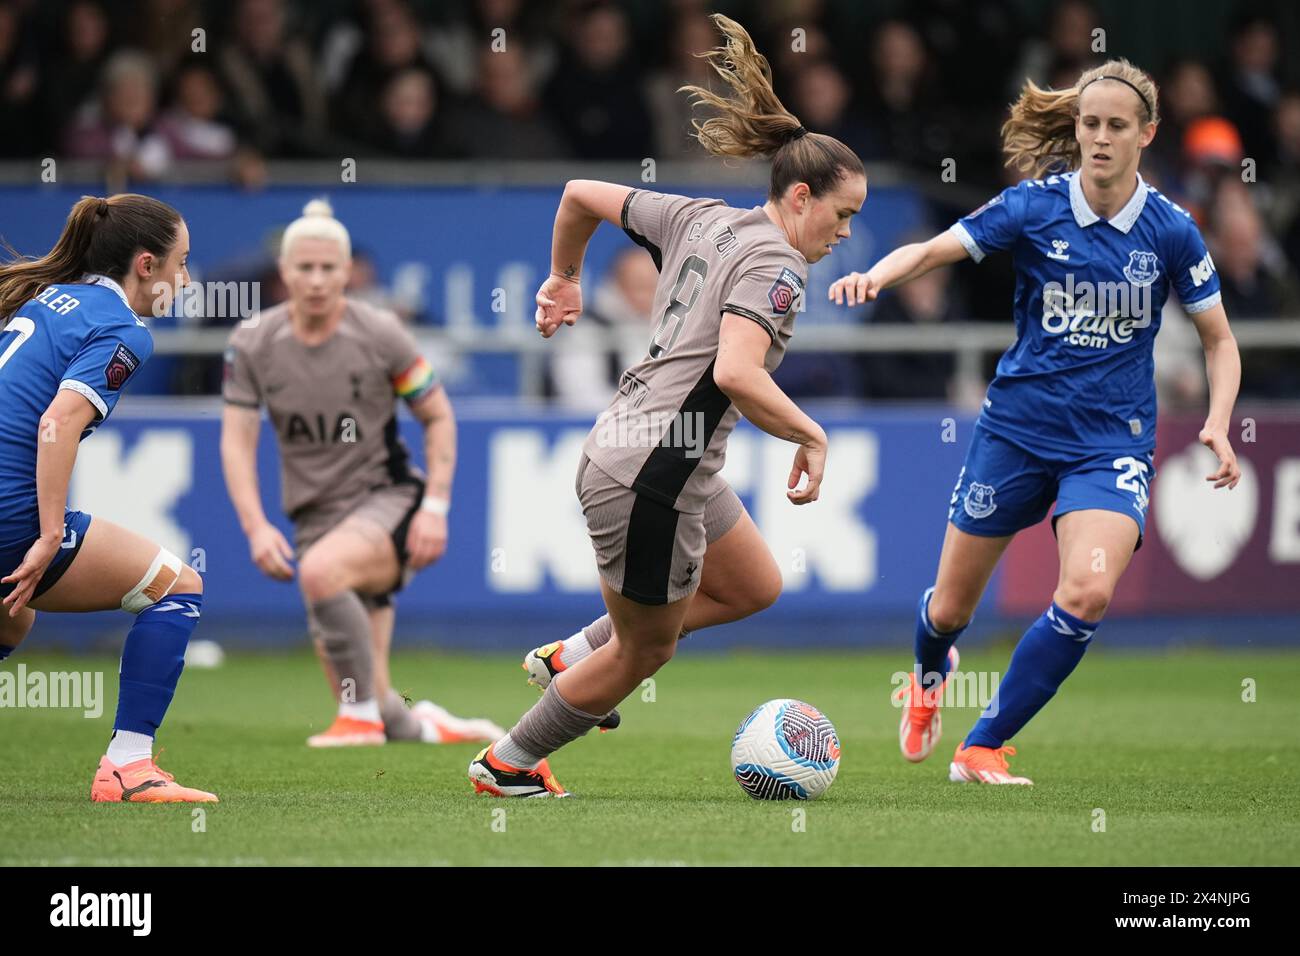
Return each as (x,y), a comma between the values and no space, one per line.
(785,750)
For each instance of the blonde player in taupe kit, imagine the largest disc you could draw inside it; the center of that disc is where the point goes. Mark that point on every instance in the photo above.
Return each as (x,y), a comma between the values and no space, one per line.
(330,371)
(675,549)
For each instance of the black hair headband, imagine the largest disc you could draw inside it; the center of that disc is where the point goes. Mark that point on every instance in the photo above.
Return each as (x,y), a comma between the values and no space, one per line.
(1120,79)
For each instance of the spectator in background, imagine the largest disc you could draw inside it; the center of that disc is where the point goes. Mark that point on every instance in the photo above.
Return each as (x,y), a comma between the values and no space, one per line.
(904,105)
(1251,269)
(973,46)
(81,50)
(692,33)
(195,127)
(119,126)
(595,96)
(18,87)
(164,30)
(504,119)
(822,99)
(1284,178)
(1250,83)
(457,46)
(611,337)
(1254,283)
(342,41)
(1212,154)
(393,47)
(1066,51)
(1284,164)
(1187,95)
(409,121)
(273,81)
(928,300)
(789,61)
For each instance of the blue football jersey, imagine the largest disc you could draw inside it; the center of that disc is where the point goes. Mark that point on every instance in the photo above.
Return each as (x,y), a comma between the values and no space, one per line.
(82,336)
(1080,377)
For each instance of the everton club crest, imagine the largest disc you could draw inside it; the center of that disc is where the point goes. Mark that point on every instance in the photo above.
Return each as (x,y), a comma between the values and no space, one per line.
(979,500)
(1143,268)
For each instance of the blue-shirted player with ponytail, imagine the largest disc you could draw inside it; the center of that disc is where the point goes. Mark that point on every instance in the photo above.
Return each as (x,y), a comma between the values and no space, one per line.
(1070,416)
(70,340)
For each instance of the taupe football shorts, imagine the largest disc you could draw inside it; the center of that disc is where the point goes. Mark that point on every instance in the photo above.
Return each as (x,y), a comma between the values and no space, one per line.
(391,507)
(645,550)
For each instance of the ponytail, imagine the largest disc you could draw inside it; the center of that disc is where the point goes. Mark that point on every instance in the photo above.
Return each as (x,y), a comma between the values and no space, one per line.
(101,236)
(1038,137)
(752,122)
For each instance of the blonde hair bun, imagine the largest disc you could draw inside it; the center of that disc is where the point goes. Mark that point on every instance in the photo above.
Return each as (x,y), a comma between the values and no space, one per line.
(317,222)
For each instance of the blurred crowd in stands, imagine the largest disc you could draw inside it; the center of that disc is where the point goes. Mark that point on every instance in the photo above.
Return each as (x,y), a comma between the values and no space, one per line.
(147,85)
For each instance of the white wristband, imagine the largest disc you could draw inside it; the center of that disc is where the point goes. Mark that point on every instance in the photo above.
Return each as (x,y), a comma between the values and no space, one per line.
(439,506)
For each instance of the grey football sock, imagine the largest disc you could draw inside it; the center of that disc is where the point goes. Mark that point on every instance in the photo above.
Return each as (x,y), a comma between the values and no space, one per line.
(599,631)
(341,627)
(399,722)
(550,724)
(513,754)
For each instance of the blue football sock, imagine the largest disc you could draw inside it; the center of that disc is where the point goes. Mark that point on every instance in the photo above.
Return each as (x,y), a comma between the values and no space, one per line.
(931,646)
(152,661)
(6,650)
(1044,658)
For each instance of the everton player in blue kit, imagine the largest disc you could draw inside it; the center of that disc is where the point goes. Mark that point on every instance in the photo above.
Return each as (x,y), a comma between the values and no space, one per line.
(70,341)
(1071,415)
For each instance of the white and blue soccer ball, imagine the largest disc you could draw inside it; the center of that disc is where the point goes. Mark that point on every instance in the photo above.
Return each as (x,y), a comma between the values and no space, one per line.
(785,750)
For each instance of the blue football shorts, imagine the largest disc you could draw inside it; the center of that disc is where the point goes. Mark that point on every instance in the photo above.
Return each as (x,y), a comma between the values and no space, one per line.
(1003,488)
(75,524)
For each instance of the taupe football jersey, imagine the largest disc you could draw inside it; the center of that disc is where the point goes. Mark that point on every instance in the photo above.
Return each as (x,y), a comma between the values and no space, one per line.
(333,405)
(665,433)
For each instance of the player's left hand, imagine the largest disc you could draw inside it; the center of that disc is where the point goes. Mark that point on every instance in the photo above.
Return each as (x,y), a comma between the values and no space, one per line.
(426,539)
(559,302)
(1229,472)
(29,573)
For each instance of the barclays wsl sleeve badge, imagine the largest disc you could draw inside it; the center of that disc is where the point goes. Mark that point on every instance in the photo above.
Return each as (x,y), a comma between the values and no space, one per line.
(992,202)
(120,367)
(787,287)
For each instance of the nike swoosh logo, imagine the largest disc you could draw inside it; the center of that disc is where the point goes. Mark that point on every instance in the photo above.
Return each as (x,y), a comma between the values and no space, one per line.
(129,792)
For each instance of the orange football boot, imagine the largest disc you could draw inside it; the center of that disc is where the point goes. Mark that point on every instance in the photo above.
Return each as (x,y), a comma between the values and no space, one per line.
(983,765)
(921,725)
(497,778)
(349,732)
(141,781)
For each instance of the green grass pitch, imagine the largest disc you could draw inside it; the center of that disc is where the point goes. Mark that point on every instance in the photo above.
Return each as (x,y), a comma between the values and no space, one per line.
(1184,770)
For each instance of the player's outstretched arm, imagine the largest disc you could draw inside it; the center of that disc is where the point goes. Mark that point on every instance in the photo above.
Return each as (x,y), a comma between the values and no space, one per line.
(584,205)
(902,265)
(1223,368)
(267,546)
(57,439)
(739,372)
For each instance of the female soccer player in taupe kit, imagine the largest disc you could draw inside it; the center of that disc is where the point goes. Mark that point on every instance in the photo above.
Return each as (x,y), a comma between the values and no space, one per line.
(1071,415)
(330,370)
(673,544)
(72,339)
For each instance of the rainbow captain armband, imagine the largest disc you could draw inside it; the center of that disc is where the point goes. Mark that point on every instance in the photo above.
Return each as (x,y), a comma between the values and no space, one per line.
(416,381)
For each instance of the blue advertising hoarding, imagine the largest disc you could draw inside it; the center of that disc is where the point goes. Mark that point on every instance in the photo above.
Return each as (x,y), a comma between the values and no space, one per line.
(518,544)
